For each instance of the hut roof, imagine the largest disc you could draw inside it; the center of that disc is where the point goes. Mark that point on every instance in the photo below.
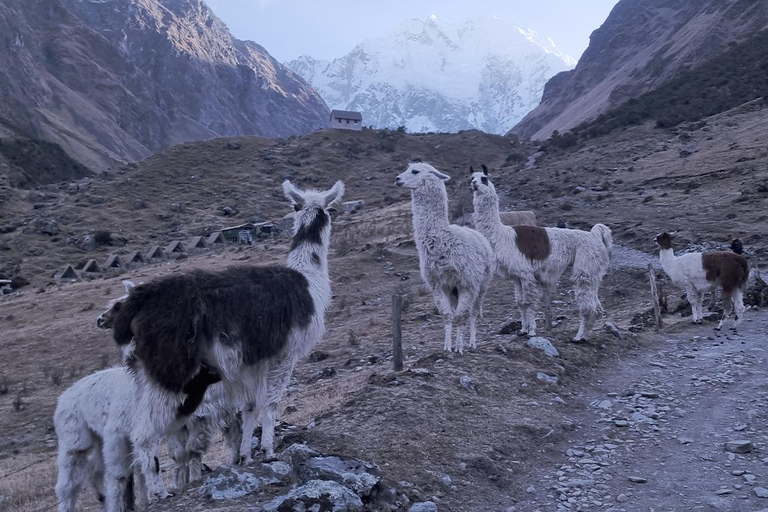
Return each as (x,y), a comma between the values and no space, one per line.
(92,266)
(175,246)
(114,261)
(155,252)
(68,273)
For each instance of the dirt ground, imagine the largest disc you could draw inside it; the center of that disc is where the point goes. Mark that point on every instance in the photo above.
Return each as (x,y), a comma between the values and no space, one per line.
(497,439)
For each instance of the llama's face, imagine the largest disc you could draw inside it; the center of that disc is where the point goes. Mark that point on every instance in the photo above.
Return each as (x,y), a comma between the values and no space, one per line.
(481,180)
(312,207)
(664,241)
(420,174)
(107,318)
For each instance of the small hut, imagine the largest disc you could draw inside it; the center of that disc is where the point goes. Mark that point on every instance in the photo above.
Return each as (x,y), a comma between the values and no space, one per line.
(68,273)
(155,253)
(197,244)
(216,239)
(114,263)
(175,249)
(135,259)
(91,267)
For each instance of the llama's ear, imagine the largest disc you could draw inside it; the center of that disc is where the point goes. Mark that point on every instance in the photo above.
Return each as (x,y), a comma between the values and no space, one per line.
(335,194)
(128,284)
(292,193)
(485,169)
(440,175)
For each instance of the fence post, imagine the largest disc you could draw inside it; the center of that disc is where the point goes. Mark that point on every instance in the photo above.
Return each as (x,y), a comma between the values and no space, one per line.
(397,339)
(655,297)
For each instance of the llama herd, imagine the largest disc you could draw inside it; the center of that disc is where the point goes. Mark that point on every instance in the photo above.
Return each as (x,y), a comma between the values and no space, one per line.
(211,350)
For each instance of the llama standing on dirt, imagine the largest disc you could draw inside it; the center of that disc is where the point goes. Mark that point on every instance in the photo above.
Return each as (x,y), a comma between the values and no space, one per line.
(696,273)
(457,263)
(244,325)
(93,422)
(537,257)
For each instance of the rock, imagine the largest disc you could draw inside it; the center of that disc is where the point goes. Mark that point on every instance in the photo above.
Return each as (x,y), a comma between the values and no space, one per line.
(317,495)
(139,204)
(227,211)
(530,489)
(637,479)
(543,344)
(739,446)
(292,160)
(611,328)
(96,199)
(88,243)
(604,404)
(761,492)
(232,482)
(354,474)
(466,382)
(621,423)
(297,454)
(622,498)
(511,327)
(423,506)
(684,440)
(446,481)
(234,145)
(549,379)
(49,227)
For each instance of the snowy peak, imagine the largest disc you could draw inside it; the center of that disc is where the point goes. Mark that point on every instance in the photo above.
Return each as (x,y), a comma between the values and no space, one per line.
(433,75)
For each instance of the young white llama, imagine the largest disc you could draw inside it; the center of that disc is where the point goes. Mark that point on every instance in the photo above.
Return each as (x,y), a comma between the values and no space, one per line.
(246,325)
(457,263)
(696,273)
(93,421)
(537,257)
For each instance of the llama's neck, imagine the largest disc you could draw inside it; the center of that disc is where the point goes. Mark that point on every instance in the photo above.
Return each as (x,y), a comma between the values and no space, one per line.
(311,260)
(487,220)
(668,260)
(430,212)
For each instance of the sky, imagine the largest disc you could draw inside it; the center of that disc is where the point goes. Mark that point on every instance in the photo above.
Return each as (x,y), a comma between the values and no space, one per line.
(326,29)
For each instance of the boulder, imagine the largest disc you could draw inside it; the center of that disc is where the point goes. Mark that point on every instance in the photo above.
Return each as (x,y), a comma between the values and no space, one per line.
(233,482)
(317,495)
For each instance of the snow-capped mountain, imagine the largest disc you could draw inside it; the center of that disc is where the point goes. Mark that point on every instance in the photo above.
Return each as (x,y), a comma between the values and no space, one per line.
(430,75)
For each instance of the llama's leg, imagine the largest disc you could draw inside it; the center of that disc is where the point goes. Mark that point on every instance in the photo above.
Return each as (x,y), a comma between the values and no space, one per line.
(464,309)
(547,309)
(477,311)
(586,292)
(727,309)
(155,417)
(250,415)
(277,382)
(96,463)
(73,467)
(528,298)
(200,435)
(693,298)
(118,473)
(518,289)
(140,486)
(233,433)
(177,442)
(443,304)
(738,306)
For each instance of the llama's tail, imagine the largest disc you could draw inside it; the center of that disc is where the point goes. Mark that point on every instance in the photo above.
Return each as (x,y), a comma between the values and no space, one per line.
(745,272)
(603,233)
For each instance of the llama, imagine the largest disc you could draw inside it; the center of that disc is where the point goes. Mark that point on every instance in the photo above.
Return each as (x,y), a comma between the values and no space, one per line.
(107,318)
(93,422)
(536,257)
(697,272)
(245,325)
(456,262)
(522,218)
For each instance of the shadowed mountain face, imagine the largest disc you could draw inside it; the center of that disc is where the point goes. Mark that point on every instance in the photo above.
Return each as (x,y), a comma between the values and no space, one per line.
(641,45)
(116,80)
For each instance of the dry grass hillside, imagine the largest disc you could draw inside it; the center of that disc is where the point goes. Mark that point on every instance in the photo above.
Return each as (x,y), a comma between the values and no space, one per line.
(709,183)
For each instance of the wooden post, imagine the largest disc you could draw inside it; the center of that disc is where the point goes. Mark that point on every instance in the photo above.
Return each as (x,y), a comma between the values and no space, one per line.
(655,297)
(397,333)
(547,311)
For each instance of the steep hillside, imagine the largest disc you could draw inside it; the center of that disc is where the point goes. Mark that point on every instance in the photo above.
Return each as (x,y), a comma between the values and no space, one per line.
(641,46)
(115,81)
(431,75)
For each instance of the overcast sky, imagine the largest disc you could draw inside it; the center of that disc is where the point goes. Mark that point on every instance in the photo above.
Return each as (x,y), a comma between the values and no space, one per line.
(327,29)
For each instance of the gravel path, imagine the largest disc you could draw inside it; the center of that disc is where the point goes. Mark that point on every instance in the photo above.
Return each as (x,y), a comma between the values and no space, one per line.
(654,433)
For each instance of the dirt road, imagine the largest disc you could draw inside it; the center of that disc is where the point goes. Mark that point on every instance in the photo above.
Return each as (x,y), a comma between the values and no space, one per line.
(653,432)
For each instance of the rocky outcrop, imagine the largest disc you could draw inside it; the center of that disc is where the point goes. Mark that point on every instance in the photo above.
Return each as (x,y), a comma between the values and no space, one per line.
(114,81)
(639,47)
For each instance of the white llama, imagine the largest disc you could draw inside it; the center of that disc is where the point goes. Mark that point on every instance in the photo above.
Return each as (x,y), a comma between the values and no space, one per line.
(246,325)
(696,273)
(457,263)
(537,257)
(93,421)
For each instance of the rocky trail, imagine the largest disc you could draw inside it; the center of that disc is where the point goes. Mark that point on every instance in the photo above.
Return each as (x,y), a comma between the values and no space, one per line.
(674,427)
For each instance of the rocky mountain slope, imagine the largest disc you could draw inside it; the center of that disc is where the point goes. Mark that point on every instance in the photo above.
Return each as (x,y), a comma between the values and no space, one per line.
(639,47)
(115,81)
(430,75)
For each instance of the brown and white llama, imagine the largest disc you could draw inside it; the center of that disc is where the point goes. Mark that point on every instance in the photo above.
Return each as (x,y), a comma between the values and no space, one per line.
(245,325)
(536,257)
(697,273)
